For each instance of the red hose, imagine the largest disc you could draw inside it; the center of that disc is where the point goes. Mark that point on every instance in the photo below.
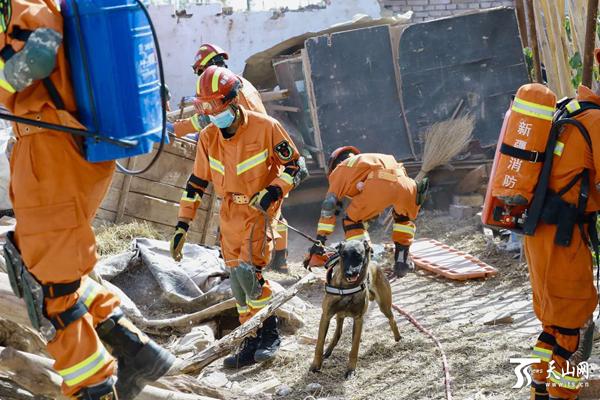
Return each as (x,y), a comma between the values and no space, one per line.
(420,327)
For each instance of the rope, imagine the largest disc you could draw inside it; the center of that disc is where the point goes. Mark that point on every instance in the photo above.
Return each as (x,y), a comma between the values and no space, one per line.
(424,330)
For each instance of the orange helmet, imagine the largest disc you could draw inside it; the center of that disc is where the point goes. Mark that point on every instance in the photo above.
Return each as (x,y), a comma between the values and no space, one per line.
(216,88)
(339,155)
(208,55)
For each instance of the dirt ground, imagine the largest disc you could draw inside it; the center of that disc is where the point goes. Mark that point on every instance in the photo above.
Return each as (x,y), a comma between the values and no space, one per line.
(411,369)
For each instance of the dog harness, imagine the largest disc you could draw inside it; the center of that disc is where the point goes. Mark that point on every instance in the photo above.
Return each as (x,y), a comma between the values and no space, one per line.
(338,290)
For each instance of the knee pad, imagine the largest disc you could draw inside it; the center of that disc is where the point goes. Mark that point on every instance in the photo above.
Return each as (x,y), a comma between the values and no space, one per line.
(125,339)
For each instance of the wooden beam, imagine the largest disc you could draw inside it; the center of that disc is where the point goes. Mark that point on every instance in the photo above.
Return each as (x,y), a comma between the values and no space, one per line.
(274,95)
(590,42)
(533,41)
(522,19)
(279,107)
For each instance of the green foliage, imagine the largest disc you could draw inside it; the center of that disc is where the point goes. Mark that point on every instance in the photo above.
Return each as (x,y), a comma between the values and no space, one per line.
(528,54)
(576,64)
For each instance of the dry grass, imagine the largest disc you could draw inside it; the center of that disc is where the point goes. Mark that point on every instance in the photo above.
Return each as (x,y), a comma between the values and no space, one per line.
(114,239)
(444,141)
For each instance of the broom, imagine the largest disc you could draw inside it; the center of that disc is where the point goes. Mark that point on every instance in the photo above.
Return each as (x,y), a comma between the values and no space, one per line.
(443,141)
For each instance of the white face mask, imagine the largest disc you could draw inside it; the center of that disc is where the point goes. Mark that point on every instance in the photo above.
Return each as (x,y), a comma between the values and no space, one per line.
(224,119)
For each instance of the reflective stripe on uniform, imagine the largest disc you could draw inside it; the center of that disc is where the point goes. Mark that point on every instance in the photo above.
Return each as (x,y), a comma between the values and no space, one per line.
(569,382)
(364,235)
(207,58)
(352,161)
(543,354)
(573,106)
(282,228)
(215,80)
(216,165)
(242,309)
(90,292)
(4,84)
(185,197)
(559,148)
(86,368)
(195,122)
(252,162)
(259,303)
(409,230)
(532,109)
(287,178)
(326,227)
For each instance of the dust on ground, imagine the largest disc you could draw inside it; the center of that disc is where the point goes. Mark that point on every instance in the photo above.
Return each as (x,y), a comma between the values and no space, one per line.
(411,369)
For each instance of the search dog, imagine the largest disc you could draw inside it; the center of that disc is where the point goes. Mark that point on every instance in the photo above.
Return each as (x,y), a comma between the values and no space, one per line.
(352,281)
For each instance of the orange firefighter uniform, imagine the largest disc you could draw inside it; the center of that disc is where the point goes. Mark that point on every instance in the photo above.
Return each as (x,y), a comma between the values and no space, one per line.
(55,194)
(564,296)
(239,167)
(248,97)
(373,182)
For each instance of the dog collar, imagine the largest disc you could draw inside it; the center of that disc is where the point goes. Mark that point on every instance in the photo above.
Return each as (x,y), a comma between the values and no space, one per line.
(345,291)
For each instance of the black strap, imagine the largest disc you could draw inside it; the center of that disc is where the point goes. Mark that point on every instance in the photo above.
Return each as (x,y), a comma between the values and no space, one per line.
(20,34)
(55,290)
(567,331)
(531,156)
(7,52)
(197,181)
(400,218)
(547,338)
(53,92)
(65,318)
(562,352)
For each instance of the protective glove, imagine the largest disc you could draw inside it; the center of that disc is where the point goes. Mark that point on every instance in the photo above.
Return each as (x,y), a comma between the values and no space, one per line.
(316,256)
(178,240)
(35,61)
(403,264)
(264,199)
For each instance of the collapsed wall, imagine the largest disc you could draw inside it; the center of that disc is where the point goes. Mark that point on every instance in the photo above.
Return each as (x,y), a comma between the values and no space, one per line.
(241,33)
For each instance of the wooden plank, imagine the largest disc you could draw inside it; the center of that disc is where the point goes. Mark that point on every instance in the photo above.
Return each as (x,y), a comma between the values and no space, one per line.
(111,200)
(212,221)
(105,215)
(274,95)
(279,107)
(169,169)
(181,147)
(117,181)
(156,210)
(312,106)
(131,165)
(590,42)
(166,192)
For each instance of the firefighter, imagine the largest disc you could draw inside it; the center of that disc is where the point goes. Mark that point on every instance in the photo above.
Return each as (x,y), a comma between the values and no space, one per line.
(55,193)
(253,164)
(249,98)
(373,182)
(564,296)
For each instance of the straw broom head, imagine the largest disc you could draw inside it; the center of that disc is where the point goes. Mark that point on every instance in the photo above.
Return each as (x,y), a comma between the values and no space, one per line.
(443,141)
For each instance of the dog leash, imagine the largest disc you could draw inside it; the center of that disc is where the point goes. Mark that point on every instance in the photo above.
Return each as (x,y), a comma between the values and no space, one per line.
(298,231)
(427,332)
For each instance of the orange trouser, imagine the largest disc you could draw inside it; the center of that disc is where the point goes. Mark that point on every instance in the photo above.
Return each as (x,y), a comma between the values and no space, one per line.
(55,194)
(376,196)
(553,375)
(563,296)
(281,239)
(246,238)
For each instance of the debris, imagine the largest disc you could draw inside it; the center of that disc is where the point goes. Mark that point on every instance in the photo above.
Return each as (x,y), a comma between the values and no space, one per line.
(497,319)
(473,200)
(283,390)
(473,180)
(263,387)
(307,340)
(216,379)
(198,339)
(231,341)
(447,261)
(314,388)
(462,212)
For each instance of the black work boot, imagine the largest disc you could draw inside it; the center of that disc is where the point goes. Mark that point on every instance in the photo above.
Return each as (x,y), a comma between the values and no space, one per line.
(102,391)
(402,263)
(279,261)
(141,360)
(245,356)
(269,340)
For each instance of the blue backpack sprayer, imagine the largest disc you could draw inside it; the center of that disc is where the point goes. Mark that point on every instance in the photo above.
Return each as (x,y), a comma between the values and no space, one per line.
(118,78)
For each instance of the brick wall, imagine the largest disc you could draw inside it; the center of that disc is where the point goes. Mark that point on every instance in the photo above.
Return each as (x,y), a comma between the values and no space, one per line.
(430,9)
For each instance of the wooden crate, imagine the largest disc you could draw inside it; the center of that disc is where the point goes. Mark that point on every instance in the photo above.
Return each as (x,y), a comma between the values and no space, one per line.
(154,195)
